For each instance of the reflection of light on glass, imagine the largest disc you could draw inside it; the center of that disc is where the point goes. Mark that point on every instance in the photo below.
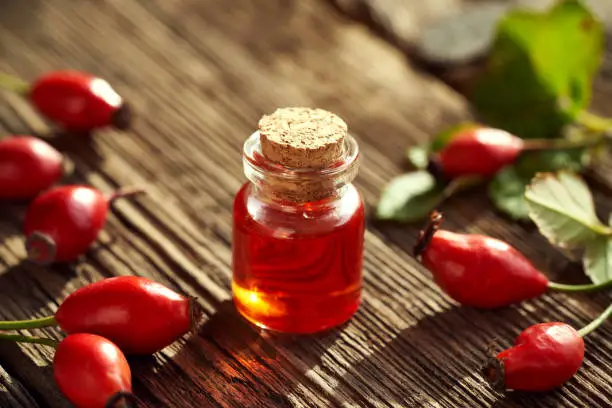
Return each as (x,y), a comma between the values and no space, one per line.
(103,89)
(259,304)
(282,233)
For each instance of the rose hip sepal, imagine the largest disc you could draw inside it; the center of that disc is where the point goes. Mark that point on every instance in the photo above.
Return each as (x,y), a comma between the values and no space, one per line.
(140,316)
(28,166)
(62,223)
(79,101)
(92,372)
(544,357)
(478,151)
(476,270)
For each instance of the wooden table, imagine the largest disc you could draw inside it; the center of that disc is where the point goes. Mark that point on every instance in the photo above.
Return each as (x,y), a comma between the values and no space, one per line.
(199,75)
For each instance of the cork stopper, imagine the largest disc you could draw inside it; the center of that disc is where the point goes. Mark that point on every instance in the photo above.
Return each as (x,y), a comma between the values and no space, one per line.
(302,138)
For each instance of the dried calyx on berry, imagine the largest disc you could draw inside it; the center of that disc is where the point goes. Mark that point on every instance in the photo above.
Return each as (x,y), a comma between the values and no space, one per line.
(62,223)
(481,271)
(544,356)
(491,272)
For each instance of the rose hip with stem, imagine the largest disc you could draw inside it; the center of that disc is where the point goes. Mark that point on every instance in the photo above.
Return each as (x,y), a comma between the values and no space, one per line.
(62,223)
(139,315)
(91,371)
(484,272)
(77,101)
(483,151)
(544,357)
(28,166)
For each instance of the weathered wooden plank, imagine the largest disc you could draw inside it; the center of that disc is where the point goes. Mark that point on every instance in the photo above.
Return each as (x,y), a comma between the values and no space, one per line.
(13,393)
(200,73)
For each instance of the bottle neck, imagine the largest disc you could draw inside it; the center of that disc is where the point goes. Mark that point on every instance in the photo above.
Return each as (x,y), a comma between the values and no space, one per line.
(298,202)
(275,183)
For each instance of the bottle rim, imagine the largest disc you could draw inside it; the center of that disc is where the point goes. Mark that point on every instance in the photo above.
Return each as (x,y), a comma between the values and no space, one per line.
(254,160)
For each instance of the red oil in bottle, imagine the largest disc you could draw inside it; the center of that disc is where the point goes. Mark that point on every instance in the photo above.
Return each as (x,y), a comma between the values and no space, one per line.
(298,272)
(298,227)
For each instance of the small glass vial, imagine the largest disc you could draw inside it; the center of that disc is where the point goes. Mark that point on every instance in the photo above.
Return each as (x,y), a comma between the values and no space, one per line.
(298,226)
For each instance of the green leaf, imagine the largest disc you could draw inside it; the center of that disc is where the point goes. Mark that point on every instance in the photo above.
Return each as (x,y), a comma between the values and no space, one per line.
(539,73)
(507,188)
(598,260)
(418,156)
(562,207)
(554,160)
(507,191)
(409,197)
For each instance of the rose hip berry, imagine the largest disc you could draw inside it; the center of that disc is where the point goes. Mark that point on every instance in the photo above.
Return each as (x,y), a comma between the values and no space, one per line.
(62,223)
(28,166)
(92,372)
(543,357)
(479,151)
(79,101)
(476,270)
(137,314)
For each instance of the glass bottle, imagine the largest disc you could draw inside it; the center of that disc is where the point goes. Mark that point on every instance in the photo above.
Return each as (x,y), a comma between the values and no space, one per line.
(298,224)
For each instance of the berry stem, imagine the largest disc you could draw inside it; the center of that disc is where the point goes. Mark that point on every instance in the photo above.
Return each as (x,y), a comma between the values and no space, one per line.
(13,83)
(596,323)
(126,192)
(28,324)
(558,144)
(18,338)
(595,123)
(591,287)
(459,184)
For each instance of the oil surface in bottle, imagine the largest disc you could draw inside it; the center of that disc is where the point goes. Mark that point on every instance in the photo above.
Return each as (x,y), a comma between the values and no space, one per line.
(298,271)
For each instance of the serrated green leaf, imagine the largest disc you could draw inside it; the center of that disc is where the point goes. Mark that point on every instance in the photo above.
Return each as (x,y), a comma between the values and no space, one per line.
(418,156)
(507,191)
(598,260)
(551,161)
(507,188)
(409,197)
(539,73)
(561,205)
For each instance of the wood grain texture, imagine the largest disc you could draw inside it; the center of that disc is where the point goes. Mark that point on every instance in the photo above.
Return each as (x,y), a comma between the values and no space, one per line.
(200,74)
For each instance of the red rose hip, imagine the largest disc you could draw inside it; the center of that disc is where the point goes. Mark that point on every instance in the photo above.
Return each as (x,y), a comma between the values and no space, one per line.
(139,315)
(479,152)
(543,357)
(92,372)
(476,270)
(28,166)
(79,101)
(62,223)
